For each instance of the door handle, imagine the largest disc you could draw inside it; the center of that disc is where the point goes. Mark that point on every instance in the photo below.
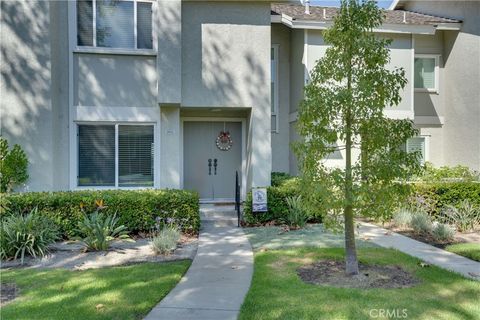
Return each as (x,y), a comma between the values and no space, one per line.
(209,167)
(215,162)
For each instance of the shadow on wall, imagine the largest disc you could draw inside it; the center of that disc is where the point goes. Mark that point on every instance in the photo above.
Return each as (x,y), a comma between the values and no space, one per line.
(225,63)
(25,82)
(115,81)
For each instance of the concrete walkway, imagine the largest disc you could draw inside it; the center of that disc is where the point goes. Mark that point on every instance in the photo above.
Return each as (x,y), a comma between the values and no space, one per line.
(219,278)
(423,251)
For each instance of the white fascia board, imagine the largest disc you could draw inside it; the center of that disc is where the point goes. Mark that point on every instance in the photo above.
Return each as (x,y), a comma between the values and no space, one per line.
(449,26)
(276,18)
(385,28)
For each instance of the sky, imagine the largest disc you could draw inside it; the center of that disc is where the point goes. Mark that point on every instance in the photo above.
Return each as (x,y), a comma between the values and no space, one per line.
(335,3)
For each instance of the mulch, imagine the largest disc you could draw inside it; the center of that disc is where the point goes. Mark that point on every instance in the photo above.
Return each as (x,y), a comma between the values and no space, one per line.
(332,273)
(8,292)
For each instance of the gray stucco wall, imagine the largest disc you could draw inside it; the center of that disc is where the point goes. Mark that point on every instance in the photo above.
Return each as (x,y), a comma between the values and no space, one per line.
(400,54)
(226,63)
(169,61)
(226,54)
(461,56)
(297,68)
(114,80)
(25,104)
(280,139)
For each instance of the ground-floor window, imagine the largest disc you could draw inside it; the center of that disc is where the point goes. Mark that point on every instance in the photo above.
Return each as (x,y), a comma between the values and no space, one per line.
(418,144)
(115,155)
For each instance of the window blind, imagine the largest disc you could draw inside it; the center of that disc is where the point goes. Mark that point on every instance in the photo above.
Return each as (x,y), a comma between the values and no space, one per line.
(135,155)
(144,25)
(84,23)
(417,144)
(96,155)
(424,73)
(115,24)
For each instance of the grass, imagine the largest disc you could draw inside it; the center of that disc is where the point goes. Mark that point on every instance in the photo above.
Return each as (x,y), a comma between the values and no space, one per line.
(278,293)
(126,292)
(313,235)
(468,250)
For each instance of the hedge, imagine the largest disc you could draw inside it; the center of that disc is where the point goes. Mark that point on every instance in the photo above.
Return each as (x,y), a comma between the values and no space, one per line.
(137,210)
(277,203)
(434,197)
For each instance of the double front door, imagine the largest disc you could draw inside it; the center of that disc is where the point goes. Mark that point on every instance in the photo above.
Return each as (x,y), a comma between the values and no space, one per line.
(212,154)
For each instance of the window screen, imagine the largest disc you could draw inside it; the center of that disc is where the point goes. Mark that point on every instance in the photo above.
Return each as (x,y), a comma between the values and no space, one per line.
(85,23)
(115,24)
(144,25)
(96,155)
(425,73)
(135,156)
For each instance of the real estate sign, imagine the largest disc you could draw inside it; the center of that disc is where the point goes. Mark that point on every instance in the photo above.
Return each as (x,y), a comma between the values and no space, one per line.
(259,200)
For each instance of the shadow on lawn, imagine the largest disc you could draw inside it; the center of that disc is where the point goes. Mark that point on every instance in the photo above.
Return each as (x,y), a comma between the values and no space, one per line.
(126,292)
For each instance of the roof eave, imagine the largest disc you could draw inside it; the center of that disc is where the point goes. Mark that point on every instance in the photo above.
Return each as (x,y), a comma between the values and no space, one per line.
(385,28)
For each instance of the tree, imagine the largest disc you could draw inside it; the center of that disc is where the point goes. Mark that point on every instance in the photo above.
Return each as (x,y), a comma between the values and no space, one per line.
(13,166)
(343,109)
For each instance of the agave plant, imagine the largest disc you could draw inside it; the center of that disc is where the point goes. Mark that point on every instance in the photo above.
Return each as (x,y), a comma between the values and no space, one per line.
(30,234)
(99,230)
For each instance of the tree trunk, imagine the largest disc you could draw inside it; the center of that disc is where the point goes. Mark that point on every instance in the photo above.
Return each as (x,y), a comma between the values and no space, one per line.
(351,260)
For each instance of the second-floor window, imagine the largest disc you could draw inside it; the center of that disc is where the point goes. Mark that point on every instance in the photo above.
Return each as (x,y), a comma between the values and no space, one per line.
(123,24)
(426,73)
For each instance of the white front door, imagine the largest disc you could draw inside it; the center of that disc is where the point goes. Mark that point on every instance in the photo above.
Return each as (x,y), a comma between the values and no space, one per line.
(212,154)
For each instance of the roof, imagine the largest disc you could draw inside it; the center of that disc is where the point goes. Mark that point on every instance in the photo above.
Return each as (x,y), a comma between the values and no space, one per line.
(324,14)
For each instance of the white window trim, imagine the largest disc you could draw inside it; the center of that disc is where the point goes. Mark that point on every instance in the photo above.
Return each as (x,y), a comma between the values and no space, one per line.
(436,70)
(276,50)
(106,50)
(156,157)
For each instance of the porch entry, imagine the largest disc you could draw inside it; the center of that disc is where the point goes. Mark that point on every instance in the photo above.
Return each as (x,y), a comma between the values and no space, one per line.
(212,153)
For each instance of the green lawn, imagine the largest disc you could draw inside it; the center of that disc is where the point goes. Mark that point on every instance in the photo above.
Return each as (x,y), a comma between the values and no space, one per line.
(127,292)
(278,293)
(468,250)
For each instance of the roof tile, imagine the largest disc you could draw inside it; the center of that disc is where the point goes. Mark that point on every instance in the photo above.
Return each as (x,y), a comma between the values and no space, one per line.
(297,12)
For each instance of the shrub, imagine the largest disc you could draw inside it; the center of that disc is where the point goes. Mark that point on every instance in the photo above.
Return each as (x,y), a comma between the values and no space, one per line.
(13,166)
(435,197)
(278,178)
(443,232)
(466,217)
(98,230)
(277,204)
(137,210)
(457,173)
(402,218)
(28,234)
(166,240)
(421,222)
(296,216)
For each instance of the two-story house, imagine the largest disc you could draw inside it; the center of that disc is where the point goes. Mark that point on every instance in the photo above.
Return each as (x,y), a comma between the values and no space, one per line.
(183,94)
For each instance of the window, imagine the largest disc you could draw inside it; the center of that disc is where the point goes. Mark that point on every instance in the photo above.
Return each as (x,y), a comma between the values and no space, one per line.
(114,24)
(418,144)
(105,151)
(426,73)
(274,87)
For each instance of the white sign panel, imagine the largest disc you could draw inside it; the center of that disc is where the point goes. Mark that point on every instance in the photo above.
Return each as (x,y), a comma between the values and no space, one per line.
(259,200)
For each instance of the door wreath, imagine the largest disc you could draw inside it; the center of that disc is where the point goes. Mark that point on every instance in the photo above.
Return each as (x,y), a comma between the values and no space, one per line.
(224,141)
